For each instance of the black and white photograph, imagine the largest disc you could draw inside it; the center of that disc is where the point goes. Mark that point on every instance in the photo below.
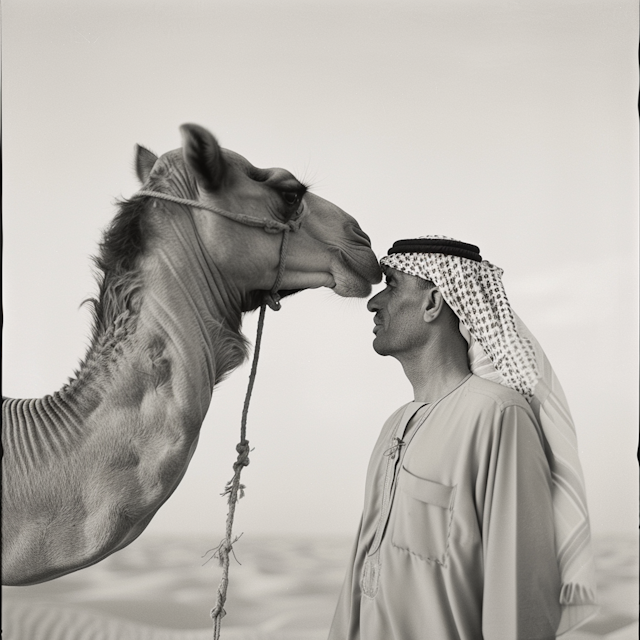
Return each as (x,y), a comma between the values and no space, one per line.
(320,319)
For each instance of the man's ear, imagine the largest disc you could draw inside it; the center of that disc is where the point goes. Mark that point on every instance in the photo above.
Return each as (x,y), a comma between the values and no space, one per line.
(433,304)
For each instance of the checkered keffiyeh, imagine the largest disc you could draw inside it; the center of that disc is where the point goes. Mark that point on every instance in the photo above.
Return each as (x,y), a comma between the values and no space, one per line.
(503,350)
(475,293)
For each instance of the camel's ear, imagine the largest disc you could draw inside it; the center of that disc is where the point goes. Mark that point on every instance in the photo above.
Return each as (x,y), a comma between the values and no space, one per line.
(203,155)
(145,160)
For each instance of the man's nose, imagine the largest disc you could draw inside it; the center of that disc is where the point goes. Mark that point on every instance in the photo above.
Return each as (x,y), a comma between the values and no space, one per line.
(373,304)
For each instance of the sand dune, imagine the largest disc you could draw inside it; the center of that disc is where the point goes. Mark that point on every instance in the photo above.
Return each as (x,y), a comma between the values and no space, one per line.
(284,588)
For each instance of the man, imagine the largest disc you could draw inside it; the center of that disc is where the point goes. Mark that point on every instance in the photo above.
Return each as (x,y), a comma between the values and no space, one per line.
(475,523)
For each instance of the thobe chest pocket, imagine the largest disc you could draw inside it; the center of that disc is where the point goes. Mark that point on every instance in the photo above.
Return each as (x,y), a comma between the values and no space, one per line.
(422,516)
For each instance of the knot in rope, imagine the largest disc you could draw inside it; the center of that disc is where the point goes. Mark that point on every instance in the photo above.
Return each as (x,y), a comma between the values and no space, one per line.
(296,223)
(274,226)
(243,454)
(217,612)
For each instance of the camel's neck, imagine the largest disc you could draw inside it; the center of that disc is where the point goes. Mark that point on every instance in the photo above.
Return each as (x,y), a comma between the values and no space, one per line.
(155,364)
(188,327)
(116,441)
(183,337)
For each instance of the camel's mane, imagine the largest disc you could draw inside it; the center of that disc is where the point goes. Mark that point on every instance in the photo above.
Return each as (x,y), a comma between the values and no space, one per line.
(119,280)
(123,242)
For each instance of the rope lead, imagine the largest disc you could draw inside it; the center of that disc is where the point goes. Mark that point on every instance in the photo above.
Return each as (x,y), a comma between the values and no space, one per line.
(234,489)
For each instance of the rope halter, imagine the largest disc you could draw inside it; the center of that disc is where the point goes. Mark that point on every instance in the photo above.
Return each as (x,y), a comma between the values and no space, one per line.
(268,224)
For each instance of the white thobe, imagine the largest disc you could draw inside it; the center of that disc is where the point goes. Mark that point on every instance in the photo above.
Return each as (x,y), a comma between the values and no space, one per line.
(456,540)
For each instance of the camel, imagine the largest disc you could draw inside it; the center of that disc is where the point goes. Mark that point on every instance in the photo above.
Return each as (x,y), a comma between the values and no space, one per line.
(86,468)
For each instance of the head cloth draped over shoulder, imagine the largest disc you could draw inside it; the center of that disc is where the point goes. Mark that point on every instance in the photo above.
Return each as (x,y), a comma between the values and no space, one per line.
(503,350)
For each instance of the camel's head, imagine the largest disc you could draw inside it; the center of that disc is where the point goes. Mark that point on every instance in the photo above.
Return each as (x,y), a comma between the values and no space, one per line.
(328,250)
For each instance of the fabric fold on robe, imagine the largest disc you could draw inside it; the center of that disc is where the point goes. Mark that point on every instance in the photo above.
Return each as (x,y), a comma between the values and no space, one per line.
(571,517)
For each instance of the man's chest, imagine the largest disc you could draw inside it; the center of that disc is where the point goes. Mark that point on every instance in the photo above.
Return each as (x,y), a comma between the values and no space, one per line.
(427,477)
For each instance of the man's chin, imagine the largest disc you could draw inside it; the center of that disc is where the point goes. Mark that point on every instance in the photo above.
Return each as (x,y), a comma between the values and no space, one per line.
(379,347)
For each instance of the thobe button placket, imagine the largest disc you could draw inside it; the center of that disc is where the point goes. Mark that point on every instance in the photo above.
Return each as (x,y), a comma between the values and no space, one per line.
(395,454)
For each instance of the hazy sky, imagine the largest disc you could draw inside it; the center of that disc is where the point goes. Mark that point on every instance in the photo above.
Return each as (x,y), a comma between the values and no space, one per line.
(511,124)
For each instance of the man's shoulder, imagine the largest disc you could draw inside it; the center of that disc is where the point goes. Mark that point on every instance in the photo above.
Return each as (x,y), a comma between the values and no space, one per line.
(491,395)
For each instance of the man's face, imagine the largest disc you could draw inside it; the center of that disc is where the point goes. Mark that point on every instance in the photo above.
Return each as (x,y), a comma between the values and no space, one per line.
(399,324)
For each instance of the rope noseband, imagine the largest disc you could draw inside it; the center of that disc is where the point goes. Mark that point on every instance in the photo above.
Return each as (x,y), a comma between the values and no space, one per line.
(234,489)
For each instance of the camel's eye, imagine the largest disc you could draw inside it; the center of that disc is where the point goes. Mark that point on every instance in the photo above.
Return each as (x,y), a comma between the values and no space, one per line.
(290,197)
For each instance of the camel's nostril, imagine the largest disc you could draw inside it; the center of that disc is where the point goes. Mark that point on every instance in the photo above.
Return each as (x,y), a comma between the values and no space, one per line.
(361,235)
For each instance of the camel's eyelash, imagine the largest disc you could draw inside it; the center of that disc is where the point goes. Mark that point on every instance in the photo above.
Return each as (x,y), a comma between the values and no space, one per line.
(305,185)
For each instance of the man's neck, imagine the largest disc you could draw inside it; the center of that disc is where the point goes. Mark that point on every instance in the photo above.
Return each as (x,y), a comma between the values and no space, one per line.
(437,369)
